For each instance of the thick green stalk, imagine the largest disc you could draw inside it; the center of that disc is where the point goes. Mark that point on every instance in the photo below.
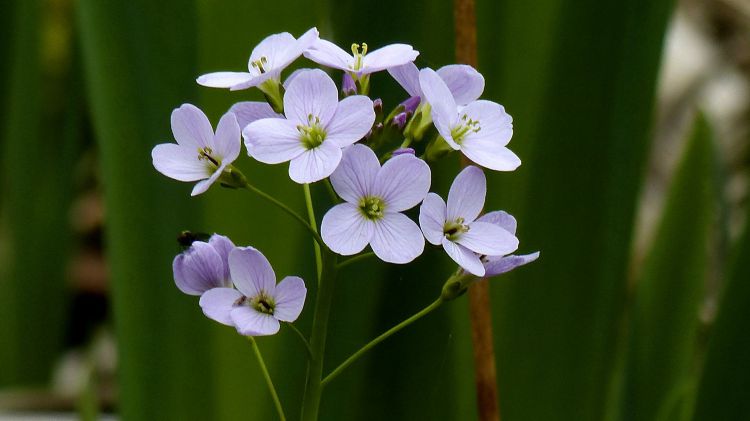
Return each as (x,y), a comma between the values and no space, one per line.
(314,226)
(267,377)
(313,386)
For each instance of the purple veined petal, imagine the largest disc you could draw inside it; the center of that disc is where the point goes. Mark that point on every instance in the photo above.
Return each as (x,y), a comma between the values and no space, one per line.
(500,265)
(191,127)
(407,75)
(290,298)
(495,123)
(465,83)
(273,140)
(249,111)
(224,79)
(466,196)
(223,245)
(388,56)
(488,239)
(329,54)
(502,219)
(397,239)
(179,163)
(201,186)
(464,257)
(490,154)
(292,76)
(198,269)
(250,322)
(432,215)
(315,164)
(355,175)
(307,40)
(218,303)
(257,80)
(274,48)
(440,98)
(402,182)
(251,272)
(345,230)
(227,141)
(311,93)
(353,119)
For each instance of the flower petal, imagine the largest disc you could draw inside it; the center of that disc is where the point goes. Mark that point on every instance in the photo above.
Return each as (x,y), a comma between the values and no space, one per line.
(198,269)
(466,196)
(402,182)
(499,265)
(217,303)
(388,56)
(272,140)
(397,239)
(464,257)
(250,322)
(495,123)
(500,218)
(488,239)
(440,98)
(274,48)
(407,75)
(329,54)
(355,175)
(311,93)
(490,154)
(353,119)
(179,163)
(201,186)
(224,79)
(249,111)
(290,298)
(223,245)
(465,83)
(315,164)
(432,218)
(227,140)
(345,230)
(191,127)
(251,272)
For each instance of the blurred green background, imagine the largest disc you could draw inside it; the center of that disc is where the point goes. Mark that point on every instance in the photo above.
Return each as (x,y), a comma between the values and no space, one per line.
(633,186)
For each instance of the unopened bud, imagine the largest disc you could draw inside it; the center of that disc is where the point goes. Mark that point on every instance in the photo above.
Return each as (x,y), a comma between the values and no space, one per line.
(348,87)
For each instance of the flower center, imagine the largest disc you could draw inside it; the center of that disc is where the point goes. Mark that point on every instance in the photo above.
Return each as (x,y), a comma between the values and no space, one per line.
(260,64)
(372,207)
(359,55)
(311,135)
(205,153)
(464,127)
(453,229)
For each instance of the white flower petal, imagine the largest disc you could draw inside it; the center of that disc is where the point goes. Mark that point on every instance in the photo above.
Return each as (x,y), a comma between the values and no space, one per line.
(329,54)
(202,186)
(407,75)
(179,163)
(490,154)
(402,182)
(272,140)
(494,122)
(345,230)
(355,175)
(274,48)
(224,79)
(353,119)
(467,193)
(499,265)
(311,93)
(500,218)
(217,304)
(432,216)
(227,141)
(249,111)
(191,127)
(388,56)
(464,257)
(250,322)
(315,164)
(465,83)
(397,239)
(488,239)
(251,272)
(440,98)
(290,298)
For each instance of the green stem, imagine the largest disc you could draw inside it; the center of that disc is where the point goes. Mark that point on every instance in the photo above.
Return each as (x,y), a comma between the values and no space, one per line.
(354,357)
(314,226)
(313,386)
(267,376)
(286,209)
(302,338)
(355,259)
(331,192)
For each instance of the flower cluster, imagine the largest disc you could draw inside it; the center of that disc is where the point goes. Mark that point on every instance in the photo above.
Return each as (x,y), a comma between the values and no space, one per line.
(376,163)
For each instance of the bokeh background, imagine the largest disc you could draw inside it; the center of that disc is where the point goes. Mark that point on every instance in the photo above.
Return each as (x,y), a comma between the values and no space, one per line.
(631,118)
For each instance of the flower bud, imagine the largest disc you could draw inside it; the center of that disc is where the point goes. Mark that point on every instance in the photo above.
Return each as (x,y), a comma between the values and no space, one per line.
(348,87)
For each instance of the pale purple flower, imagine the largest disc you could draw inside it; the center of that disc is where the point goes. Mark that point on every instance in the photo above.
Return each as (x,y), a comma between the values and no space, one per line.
(481,129)
(199,153)
(203,266)
(258,304)
(267,60)
(374,198)
(497,265)
(455,225)
(360,62)
(317,126)
(249,111)
(463,81)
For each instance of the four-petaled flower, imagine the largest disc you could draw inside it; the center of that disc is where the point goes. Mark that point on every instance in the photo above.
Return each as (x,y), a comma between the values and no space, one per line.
(315,129)
(481,129)
(497,265)
(375,197)
(267,60)
(455,226)
(463,81)
(360,62)
(199,153)
(258,304)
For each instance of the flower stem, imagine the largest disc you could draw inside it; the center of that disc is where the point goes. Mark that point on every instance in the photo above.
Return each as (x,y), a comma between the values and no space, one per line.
(354,259)
(314,226)
(354,357)
(267,376)
(302,338)
(313,386)
(285,208)
(331,192)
